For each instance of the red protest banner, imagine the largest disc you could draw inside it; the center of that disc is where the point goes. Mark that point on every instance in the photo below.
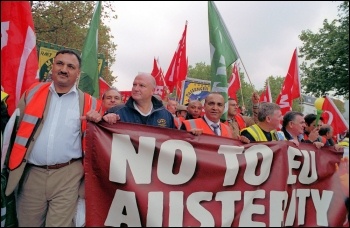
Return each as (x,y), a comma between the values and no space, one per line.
(139,175)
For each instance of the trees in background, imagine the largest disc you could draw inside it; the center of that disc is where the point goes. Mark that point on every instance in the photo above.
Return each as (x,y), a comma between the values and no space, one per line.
(326,68)
(66,23)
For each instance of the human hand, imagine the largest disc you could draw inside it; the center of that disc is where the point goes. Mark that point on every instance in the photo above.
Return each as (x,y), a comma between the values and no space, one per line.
(111,118)
(295,141)
(244,139)
(318,144)
(196,131)
(338,147)
(313,135)
(342,171)
(255,98)
(93,116)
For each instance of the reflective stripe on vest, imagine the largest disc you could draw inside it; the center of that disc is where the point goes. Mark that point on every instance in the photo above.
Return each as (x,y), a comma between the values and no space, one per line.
(177,122)
(35,98)
(200,123)
(256,132)
(33,113)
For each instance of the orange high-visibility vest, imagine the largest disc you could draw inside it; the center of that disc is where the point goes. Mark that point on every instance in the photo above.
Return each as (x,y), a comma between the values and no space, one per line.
(201,124)
(36,97)
(240,121)
(178,121)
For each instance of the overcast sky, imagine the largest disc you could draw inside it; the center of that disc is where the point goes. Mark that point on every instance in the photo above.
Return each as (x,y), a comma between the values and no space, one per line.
(265,34)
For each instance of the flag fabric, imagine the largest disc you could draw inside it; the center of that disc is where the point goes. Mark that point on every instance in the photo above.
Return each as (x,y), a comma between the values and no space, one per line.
(332,116)
(291,86)
(89,79)
(19,60)
(103,86)
(234,83)
(125,95)
(222,52)
(177,71)
(157,73)
(265,96)
(180,87)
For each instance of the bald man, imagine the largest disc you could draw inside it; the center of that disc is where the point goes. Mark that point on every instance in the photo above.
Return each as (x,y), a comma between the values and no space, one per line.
(142,107)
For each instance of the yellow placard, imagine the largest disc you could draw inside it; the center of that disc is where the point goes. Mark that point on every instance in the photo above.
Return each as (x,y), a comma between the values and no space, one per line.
(195,91)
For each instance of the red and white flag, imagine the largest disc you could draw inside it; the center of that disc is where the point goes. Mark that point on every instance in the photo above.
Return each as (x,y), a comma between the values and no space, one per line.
(333,117)
(234,83)
(291,86)
(157,73)
(266,95)
(19,61)
(177,71)
(103,85)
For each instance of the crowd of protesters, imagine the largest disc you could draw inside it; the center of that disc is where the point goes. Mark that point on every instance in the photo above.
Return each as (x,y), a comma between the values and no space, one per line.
(46,165)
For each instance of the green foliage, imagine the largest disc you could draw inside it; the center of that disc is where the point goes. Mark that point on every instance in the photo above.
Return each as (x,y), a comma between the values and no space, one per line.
(327,56)
(66,23)
(200,71)
(244,95)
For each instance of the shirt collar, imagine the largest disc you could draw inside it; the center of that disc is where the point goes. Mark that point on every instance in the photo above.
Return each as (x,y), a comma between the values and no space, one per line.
(209,122)
(72,90)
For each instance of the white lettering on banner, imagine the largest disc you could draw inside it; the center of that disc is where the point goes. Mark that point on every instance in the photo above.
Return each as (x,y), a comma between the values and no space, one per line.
(278,205)
(140,163)
(322,205)
(252,163)
(176,209)
(198,211)
(305,170)
(321,213)
(228,200)
(167,154)
(283,209)
(250,208)
(232,164)
(124,208)
(123,199)
(155,209)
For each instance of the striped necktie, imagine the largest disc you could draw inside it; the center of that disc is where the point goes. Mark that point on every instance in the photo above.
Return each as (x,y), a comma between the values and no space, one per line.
(216,127)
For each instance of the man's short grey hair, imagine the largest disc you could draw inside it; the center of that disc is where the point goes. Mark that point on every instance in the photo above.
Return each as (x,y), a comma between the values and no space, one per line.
(153,80)
(266,109)
(111,88)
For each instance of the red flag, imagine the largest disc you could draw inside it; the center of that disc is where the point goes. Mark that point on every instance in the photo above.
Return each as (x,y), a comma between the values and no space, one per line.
(333,117)
(157,73)
(103,85)
(291,86)
(266,95)
(177,71)
(179,88)
(234,83)
(19,61)
(125,95)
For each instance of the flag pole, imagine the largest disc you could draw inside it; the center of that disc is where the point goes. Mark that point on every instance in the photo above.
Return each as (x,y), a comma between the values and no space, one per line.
(240,86)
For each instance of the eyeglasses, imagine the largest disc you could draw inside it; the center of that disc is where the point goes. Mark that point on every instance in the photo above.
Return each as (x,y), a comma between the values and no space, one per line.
(234,105)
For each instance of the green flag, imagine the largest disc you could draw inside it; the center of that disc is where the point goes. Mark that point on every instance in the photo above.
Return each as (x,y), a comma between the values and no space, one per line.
(222,52)
(89,59)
